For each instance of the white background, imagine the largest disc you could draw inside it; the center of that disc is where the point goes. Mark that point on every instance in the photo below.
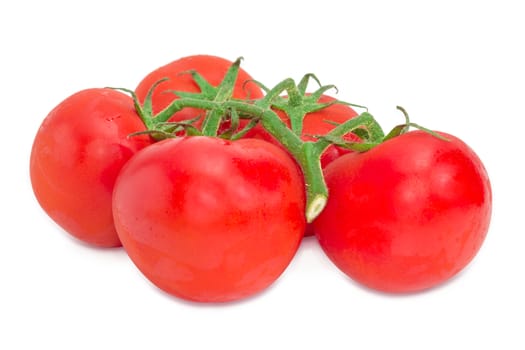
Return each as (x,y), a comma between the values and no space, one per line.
(456,66)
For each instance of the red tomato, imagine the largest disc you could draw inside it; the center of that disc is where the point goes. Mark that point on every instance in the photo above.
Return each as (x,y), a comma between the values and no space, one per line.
(212,68)
(408,214)
(76,156)
(208,219)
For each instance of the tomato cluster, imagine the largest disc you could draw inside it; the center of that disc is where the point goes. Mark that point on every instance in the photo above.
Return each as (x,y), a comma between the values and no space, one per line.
(210,180)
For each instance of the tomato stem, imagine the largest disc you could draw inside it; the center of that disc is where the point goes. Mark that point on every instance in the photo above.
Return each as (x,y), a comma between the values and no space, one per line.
(316,190)
(218,102)
(365,121)
(307,154)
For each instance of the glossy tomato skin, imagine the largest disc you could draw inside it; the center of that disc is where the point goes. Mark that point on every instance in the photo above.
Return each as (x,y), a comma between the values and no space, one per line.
(76,156)
(212,68)
(408,214)
(210,220)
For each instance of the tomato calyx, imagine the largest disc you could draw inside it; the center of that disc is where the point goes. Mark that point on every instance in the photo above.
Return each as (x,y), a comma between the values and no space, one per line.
(235,131)
(299,102)
(403,128)
(371,137)
(209,98)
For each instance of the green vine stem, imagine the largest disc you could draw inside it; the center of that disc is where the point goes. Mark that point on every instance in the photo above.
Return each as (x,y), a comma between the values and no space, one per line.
(307,154)
(218,102)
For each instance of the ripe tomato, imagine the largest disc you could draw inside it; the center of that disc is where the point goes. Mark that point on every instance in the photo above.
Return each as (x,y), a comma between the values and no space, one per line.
(208,219)
(406,215)
(212,68)
(76,156)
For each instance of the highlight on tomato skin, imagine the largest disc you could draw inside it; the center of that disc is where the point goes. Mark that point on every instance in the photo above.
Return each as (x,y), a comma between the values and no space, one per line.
(407,215)
(210,220)
(76,156)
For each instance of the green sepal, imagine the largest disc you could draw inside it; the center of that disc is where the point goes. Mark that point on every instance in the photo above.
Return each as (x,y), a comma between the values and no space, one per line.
(210,126)
(354,146)
(206,89)
(241,133)
(396,131)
